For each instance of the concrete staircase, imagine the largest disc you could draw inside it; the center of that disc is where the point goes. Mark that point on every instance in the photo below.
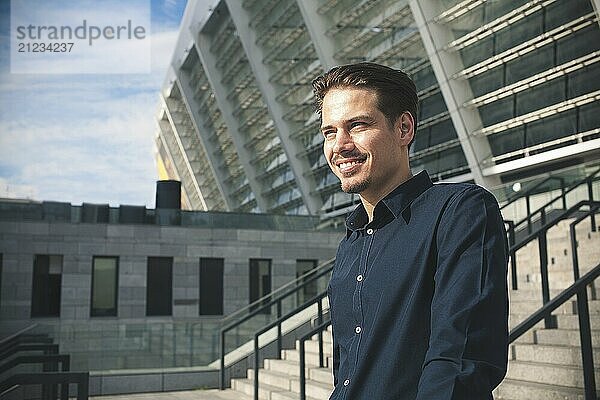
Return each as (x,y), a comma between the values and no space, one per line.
(544,364)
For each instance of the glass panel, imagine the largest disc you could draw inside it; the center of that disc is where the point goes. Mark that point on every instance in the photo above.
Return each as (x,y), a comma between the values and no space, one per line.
(431,106)
(589,117)
(487,82)
(519,32)
(507,141)
(530,64)
(541,96)
(497,111)
(578,44)
(442,132)
(561,12)
(585,80)
(104,286)
(557,126)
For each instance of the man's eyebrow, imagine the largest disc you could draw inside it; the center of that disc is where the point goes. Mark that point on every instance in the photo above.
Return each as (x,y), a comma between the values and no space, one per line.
(366,118)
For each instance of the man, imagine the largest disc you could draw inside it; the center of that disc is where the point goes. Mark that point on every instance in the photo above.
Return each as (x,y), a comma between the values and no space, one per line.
(418,293)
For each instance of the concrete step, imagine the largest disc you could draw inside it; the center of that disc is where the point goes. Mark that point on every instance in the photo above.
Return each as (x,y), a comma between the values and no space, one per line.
(559,355)
(572,321)
(514,389)
(289,396)
(551,374)
(312,346)
(315,389)
(276,379)
(294,355)
(246,386)
(563,337)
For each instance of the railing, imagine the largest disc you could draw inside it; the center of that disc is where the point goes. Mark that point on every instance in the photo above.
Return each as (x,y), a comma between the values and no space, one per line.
(540,235)
(318,330)
(24,341)
(527,194)
(315,300)
(327,265)
(264,304)
(579,288)
(542,211)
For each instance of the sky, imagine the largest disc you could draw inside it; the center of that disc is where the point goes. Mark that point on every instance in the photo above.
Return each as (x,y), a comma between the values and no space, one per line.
(84,137)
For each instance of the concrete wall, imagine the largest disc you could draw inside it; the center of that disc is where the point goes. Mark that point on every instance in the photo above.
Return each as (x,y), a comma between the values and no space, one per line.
(132,340)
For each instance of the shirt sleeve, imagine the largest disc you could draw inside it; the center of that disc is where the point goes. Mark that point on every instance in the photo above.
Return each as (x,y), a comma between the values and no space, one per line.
(468,343)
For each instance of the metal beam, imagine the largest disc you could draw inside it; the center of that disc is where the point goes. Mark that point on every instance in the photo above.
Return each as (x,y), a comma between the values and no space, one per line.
(214,77)
(212,152)
(596,5)
(455,92)
(255,54)
(316,24)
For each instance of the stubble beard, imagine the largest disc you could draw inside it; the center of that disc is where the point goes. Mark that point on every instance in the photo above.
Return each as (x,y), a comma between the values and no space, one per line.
(355,187)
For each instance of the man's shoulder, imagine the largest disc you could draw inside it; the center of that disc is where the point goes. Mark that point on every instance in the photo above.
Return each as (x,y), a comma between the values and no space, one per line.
(443,195)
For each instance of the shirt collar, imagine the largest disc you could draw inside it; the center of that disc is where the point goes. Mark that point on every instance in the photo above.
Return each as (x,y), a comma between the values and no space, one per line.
(391,205)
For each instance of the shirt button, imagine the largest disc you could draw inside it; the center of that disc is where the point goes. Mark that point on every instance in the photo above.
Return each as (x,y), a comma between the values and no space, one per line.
(369,231)
(358,329)
(359,278)
(346,382)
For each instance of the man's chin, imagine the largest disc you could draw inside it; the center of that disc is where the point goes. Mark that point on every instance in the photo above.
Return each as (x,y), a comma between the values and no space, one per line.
(354,187)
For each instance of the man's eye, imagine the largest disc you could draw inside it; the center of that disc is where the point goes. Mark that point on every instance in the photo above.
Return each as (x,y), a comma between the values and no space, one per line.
(357,124)
(328,134)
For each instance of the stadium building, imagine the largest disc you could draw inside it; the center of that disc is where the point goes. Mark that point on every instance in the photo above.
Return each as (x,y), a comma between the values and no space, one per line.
(509,93)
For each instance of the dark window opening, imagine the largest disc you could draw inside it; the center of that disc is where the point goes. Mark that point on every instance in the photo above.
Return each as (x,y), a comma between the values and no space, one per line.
(46,288)
(211,286)
(260,282)
(159,286)
(309,290)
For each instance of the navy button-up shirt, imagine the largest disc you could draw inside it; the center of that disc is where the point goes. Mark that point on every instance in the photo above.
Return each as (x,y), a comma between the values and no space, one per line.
(418,297)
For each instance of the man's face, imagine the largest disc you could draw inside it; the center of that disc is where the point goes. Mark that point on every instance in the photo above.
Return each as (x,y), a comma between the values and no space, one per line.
(361,147)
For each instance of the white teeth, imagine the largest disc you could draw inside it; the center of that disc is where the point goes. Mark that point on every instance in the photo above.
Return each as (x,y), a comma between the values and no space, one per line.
(347,164)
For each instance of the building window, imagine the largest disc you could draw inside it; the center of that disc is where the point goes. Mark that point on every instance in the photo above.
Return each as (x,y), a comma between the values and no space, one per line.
(211,286)
(105,283)
(260,281)
(159,286)
(310,290)
(46,288)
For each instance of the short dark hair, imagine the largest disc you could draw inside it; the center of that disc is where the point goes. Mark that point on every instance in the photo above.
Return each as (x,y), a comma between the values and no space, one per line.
(396,92)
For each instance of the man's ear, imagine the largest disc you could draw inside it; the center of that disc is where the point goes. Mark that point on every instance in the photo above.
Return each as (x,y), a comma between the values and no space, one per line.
(405,127)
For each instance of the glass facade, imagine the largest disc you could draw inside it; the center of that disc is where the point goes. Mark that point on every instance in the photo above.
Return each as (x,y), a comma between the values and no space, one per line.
(504,85)
(105,283)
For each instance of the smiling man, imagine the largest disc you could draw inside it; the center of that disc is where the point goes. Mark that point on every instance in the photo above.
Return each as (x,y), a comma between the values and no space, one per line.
(418,294)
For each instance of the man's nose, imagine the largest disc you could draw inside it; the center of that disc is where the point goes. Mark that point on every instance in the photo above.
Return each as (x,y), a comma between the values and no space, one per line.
(343,142)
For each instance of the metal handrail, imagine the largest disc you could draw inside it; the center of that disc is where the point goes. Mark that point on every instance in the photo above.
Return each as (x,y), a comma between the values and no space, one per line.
(270,301)
(542,210)
(530,191)
(578,288)
(318,330)
(540,234)
(315,300)
(276,292)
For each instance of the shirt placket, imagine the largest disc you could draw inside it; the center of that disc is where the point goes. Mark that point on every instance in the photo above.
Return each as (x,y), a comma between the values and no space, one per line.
(357,308)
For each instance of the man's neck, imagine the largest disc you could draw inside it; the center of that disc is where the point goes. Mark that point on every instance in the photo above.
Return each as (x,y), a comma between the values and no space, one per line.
(369,203)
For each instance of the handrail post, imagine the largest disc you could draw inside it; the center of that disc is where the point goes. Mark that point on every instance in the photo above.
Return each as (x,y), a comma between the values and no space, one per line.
(543,250)
(562,192)
(279,339)
(222,372)
(528,213)
(256,356)
(302,371)
(320,334)
(587,355)
(513,254)
(591,197)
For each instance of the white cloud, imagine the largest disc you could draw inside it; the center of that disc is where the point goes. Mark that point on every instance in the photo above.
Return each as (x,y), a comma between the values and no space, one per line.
(80,138)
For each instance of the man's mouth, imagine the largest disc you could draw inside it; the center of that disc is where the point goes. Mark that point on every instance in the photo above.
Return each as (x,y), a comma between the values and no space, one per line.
(349,165)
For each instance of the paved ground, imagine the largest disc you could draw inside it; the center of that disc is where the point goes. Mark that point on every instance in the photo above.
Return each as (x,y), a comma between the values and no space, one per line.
(212,394)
